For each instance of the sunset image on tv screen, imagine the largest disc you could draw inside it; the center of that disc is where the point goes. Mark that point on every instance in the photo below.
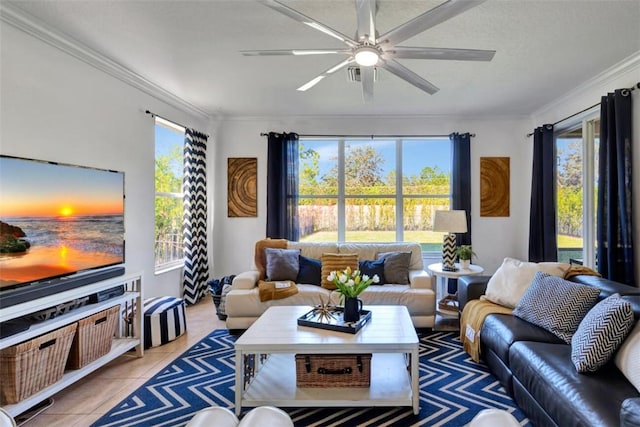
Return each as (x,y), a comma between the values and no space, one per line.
(57,219)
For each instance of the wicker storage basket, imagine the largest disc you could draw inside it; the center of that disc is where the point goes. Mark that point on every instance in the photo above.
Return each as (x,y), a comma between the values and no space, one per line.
(333,370)
(93,338)
(28,367)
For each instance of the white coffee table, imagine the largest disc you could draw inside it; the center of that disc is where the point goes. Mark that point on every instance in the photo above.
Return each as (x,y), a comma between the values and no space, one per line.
(389,336)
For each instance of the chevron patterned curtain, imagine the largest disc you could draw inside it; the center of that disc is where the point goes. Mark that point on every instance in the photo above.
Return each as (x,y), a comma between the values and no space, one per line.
(196,268)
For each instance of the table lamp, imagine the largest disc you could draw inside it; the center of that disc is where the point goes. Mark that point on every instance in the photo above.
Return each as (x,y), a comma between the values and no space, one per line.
(451,222)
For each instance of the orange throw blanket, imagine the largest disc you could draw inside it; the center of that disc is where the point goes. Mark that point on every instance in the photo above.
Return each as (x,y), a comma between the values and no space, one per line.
(269,291)
(576,270)
(473,316)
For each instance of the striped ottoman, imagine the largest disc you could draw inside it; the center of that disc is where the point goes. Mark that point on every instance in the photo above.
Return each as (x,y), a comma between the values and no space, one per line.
(164,320)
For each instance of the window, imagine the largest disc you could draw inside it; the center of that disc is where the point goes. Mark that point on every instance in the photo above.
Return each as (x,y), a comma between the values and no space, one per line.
(168,194)
(576,182)
(373,189)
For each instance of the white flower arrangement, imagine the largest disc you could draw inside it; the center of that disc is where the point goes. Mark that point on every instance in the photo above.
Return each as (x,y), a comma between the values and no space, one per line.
(351,283)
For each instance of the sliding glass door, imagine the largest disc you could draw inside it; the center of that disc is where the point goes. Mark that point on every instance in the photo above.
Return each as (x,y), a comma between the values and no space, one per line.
(576,181)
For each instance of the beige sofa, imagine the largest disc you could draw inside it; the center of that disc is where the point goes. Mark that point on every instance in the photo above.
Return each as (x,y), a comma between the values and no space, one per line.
(243,305)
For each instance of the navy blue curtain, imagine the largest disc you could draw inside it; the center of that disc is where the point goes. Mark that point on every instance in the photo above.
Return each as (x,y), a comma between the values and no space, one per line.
(282,186)
(614,251)
(543,245)
(461,180)
(460,188)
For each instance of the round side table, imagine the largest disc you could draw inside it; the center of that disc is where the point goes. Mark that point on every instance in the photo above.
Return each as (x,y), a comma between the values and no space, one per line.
(441,276)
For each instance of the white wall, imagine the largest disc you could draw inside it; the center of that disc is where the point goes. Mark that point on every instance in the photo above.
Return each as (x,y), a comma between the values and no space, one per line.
(493,238)
(55,107)
(626,74)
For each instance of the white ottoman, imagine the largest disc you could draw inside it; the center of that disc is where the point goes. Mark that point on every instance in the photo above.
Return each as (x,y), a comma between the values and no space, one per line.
(164,320)
(494,418)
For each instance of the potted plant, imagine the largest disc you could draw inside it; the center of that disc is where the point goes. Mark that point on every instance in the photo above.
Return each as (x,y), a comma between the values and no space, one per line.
(464,253)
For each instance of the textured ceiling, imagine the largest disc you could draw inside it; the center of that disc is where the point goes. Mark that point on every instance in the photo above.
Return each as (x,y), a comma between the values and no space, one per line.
(191,48)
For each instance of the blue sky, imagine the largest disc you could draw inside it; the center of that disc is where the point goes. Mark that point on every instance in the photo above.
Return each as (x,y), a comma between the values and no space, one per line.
(414,158)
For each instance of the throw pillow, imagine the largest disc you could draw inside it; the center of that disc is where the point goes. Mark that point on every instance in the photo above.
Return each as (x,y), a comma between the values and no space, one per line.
(260,257)
(600,333)
(556,305)
(336,262)
(282,264)
(371,268)
(310,271)
(396,267)
(628,357)
(512,279)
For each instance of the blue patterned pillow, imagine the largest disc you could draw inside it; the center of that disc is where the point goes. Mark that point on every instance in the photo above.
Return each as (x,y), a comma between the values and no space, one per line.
(370,268)
(310,271)
(600,333)
(556,305)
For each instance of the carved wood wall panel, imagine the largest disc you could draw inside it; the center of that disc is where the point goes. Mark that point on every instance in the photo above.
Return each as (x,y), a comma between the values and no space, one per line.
(242,175)
(494,186)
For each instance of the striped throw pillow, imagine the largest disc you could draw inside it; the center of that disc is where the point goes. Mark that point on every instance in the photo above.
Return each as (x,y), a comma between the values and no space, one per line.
(336,262)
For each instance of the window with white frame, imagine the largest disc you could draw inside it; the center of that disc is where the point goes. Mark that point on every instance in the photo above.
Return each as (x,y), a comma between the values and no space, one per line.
(169,245)
(373,189)
(576,184)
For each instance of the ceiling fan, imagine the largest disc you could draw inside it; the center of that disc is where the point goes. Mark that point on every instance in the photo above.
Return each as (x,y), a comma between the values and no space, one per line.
(369,50)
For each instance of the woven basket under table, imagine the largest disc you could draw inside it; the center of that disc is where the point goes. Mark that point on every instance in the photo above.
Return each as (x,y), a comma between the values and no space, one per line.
(28,367)
(333,370)
(93,338)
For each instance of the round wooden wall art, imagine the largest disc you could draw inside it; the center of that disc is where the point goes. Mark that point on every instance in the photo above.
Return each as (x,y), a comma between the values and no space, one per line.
(242,200)
(494,186)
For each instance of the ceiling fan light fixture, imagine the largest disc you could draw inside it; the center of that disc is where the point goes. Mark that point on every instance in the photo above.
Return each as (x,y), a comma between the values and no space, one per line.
(367,56)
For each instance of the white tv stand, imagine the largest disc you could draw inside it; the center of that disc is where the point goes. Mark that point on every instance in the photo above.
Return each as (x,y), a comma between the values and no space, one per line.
(124,340)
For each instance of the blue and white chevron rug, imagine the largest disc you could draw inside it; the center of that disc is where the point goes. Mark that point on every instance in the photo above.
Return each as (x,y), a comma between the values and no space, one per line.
(452,390)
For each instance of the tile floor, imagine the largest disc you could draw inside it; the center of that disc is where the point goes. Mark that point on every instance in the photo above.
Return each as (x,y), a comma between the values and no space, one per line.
(88,399)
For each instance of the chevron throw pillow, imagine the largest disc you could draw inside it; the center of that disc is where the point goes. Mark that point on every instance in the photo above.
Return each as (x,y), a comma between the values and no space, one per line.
(600,333)
(556,305)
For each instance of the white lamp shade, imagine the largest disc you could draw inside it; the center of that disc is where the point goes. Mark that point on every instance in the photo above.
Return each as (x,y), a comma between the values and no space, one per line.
(450,221)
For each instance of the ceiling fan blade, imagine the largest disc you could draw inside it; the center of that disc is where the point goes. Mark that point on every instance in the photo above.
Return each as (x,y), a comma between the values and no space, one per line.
(366,11)
(406,74)
(296,52)
(440,53)
(427,20)
(311,83)
(367,77)
(300,17)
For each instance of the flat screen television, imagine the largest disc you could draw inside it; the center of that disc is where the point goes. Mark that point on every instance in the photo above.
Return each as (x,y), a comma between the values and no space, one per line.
(61,226)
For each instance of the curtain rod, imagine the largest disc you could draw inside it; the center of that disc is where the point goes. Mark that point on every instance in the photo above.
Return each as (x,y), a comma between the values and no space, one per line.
(632,88)
(152,114)
(472,135)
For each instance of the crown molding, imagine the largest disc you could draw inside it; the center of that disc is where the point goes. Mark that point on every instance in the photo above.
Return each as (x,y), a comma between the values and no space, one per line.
(627,65)
(23,21)
(302,117)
